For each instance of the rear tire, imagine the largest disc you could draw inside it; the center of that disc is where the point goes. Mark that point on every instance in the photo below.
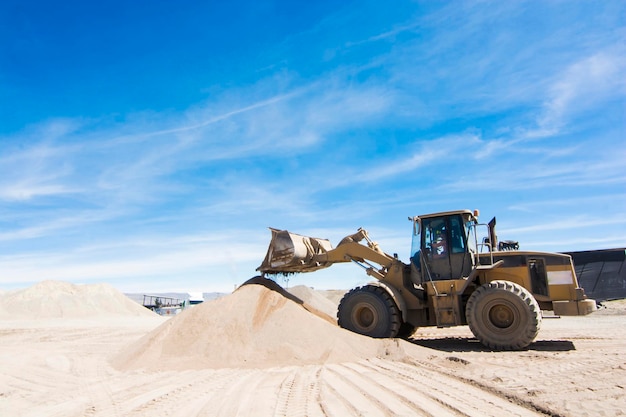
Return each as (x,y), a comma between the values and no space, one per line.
(503,315)
(370,311)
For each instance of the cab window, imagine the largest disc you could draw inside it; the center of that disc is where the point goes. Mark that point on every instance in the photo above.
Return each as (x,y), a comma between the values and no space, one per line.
(456,235)
(435,238)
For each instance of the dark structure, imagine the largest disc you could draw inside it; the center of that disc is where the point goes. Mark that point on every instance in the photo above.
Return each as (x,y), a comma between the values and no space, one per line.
(602,273)
(155,302)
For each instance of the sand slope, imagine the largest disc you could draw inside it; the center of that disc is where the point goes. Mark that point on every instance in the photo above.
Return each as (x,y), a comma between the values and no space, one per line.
(316,300)
(254,327)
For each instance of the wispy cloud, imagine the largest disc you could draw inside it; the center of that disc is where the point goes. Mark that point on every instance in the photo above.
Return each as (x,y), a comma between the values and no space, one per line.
(38,170)
(106,168)
(53,223)
(569,222)
(583,85)
(440,152)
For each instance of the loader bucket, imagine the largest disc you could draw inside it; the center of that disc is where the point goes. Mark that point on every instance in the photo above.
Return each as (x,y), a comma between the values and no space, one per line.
(290,252)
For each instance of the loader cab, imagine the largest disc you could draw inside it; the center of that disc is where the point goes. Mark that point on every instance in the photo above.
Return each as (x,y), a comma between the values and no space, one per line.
(440,246)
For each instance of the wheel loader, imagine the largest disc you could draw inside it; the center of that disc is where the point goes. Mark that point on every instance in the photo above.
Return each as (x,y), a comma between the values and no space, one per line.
(452,278)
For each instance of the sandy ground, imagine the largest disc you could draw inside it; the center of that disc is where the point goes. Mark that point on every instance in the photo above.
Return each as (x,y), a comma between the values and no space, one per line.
(94,366)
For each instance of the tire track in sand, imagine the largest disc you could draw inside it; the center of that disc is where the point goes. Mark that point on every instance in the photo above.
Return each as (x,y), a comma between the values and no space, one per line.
(184,394)
(357,394)
(376,387)
(438,391)
(299,393)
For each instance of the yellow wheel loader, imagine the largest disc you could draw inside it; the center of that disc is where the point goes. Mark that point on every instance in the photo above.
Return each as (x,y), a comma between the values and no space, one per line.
(452,278)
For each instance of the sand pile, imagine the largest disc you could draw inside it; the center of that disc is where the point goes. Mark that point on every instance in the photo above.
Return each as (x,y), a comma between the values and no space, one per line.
(334,296)
(56,299)
(315,300)
(254,327)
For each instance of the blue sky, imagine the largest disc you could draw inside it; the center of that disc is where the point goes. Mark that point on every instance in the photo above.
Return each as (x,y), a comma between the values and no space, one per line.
(150,144)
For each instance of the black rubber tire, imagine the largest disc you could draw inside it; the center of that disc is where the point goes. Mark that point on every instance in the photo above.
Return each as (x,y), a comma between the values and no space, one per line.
(406,330)
(370,311)
(503,315)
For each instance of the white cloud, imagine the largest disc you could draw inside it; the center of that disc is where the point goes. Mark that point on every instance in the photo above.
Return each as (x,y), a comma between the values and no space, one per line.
(583,85)
(191,257)
(53,223)
(25,191)
(571,221)
(432,153)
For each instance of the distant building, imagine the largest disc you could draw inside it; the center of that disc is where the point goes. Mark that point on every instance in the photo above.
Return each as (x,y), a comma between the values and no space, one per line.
(195,298)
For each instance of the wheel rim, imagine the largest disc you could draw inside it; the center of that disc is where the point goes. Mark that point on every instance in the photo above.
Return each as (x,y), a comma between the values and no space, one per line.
(364,317)
(501,316)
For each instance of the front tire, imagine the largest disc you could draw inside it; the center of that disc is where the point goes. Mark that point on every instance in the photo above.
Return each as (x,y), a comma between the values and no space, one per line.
(370,311)
(503,315)
(406,330)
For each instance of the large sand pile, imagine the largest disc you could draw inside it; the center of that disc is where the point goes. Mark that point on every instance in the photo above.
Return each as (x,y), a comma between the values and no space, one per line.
(56,299)
(254,327)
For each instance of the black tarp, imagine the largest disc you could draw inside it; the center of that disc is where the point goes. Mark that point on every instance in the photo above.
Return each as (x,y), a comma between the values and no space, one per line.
(602,273)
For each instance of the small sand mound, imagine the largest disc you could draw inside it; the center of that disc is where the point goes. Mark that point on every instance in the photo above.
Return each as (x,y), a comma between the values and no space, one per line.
(334,296)
(57,299)
(254,327)
(315,299)
(304,296)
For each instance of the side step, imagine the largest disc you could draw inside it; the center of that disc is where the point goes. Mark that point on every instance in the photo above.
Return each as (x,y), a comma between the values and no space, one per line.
(447,310)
